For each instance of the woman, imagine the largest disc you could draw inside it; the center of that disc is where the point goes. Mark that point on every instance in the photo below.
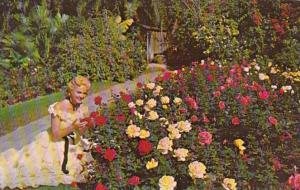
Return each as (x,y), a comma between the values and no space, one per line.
(54,156)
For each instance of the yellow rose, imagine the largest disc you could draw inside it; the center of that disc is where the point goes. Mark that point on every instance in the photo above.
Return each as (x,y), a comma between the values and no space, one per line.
(133,131)
(181,154)
(167,183)
(153,115)
(151,103)
(139,102)
(184,126)
(165,100)
(164,145)
(177,101)
(238,142)
(118,19)
(197,170)
(144,134)
(151,164)
(173,132)
(229,184)
(150,85)
(164,107)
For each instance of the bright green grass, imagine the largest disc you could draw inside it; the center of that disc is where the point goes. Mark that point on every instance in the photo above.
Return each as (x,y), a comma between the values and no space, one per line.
(25,112)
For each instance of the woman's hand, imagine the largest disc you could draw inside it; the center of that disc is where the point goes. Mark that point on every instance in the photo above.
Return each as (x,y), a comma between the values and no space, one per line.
(80,125)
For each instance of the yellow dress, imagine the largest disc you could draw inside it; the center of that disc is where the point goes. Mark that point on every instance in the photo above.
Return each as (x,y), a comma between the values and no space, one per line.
(39,162)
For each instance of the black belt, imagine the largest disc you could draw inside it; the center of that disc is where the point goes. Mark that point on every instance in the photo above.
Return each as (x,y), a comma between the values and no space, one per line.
(65,161)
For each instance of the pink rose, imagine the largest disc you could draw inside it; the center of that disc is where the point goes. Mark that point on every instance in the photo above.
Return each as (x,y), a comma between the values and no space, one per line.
(205,138)
(235,121)
(221,105)
(272,120)
(294,181)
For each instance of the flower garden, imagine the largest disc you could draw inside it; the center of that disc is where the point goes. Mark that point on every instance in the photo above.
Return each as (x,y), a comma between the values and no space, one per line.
(200,127)
(224,115)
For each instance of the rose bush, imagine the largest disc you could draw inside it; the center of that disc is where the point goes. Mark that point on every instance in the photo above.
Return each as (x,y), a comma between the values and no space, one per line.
(231,130)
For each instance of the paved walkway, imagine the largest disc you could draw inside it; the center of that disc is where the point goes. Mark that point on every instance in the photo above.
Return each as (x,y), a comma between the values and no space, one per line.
(24,135)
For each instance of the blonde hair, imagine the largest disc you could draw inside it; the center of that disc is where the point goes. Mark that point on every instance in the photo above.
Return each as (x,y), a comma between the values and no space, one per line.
(78,81)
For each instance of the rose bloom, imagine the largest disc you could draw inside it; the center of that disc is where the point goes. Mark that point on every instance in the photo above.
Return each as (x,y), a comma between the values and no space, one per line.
(167,183)
(184,126)
(139,102)
(153,115)
(110,154)
(150,85)
(222,105)
(205,119)
(165,100)
(294,181)
(164,145)
(98,100)
(229,184)
(204,138)
(126,97)
(100,120)
(164,107)
(217,94)
(173,132)
(144,134)
(263,95)
(245,100)
(151,103)
(100,186)
(134,181)
(177,101)
(144,147)
(272,120)
(133,131)
(181,154)
(194,118)
(131,105)
(197,170)
(157,90)
(151,164)
(235,121)
(121,118)
(139,85)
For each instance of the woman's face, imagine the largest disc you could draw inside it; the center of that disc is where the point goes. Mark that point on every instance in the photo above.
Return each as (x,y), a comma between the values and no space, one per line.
(78,94)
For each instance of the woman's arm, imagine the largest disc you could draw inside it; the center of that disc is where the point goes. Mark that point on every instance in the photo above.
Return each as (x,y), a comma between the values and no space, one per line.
(59,132)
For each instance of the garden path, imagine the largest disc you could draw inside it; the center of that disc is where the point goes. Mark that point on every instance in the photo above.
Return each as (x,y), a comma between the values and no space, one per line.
(24,134)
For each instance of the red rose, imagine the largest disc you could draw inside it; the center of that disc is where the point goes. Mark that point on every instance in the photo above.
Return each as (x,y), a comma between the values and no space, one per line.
(100,120)
(74,184)
(221,105)
(210,78)
(134,180)
(94,114)
(144,147)
(121,118)
(191,102)
(126,97)
(272,120)
(285,136)
(276,164)
(217,93)
(100,186)
(235,121)
(98,149)
(182,110)
(281,91)
(139,85)
(205,119)
(194,118)
(245,100)
(110,154)
(98,100)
